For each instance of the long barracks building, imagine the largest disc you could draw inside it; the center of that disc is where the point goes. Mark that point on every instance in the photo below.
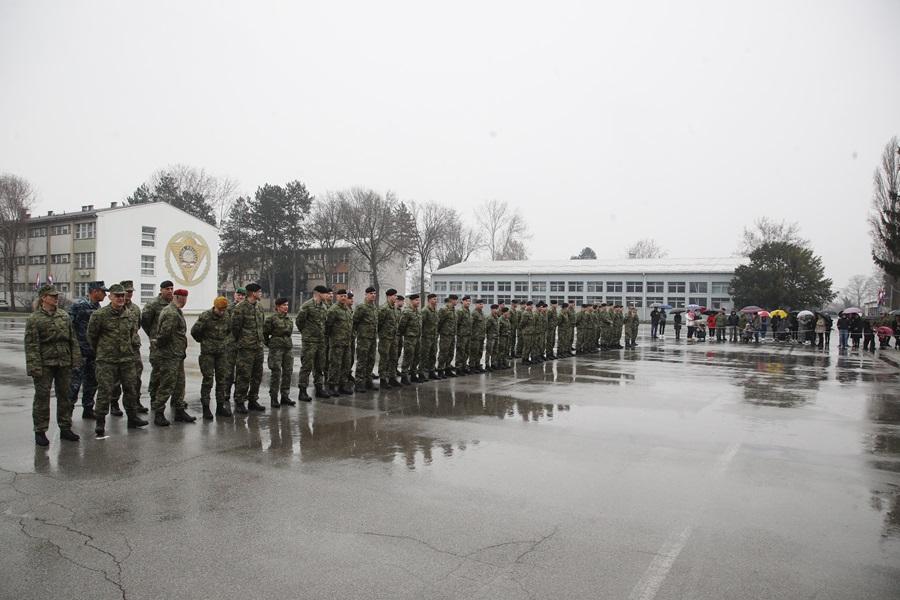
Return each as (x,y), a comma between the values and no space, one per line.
(629,282)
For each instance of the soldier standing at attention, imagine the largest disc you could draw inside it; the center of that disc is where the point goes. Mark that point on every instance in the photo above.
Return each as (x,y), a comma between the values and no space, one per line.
(277,338)
(410,328)
(605,324)
(171,350)
(338,331)
(515,344)
(463,335)
(239,295)
(311,325)
(149,316)
(135,312)
(504,332)
(526,332)
(447,331)
(352,355)
(562,350)
(109,333)
(247,330)
(490,332)
(51,352)
(399,305)
(84,377)
(552,323)
(213,331)
(476,338)
(540,336)
(429,339)
(631,321)
(365,329)
(387,340)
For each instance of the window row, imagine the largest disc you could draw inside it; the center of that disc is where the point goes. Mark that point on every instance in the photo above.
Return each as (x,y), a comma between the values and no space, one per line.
(630,287)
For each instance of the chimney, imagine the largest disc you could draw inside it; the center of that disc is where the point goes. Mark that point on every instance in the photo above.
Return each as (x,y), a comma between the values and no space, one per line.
(113,204)
(87,207)
(49,213)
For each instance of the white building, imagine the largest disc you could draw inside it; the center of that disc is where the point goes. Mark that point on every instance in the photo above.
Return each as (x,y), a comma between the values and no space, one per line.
(146,243)
(637,282)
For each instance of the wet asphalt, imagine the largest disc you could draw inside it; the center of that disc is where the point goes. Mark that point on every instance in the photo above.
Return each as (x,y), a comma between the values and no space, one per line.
(670,471)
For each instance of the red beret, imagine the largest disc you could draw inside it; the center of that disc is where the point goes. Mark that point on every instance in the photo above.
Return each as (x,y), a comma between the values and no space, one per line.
(181,292)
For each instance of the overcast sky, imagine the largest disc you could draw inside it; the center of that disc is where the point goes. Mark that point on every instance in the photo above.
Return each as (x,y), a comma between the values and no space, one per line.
(603,122)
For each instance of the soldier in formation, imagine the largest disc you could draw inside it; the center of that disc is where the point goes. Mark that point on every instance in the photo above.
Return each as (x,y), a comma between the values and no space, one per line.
(277,331)
(339,331)
(447,331)
(84,377)
(247,330)
(365,330)
(410,330)
(310,323)
(429,346)
(171,350)
(387,340)
(213,331)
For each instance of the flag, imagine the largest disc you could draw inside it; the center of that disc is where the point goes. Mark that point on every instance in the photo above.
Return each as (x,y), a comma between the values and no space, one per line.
(37,281)
(880,296)
(50,279)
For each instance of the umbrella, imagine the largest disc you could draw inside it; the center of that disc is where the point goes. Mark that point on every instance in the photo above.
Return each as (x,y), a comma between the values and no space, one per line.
(765,313)
(678,310)
(885,331)
(663,306)
(852,311)
(778,313)
(751,309)
(710,311)
(805,314)
(694,307)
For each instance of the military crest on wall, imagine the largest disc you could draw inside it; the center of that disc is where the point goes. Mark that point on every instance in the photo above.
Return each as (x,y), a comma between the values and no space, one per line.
(188,257)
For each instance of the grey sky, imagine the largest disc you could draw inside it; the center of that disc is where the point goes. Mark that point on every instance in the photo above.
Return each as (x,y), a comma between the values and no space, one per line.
(603,122)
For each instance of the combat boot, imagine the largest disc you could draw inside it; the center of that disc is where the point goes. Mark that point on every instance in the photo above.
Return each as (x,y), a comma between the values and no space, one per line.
(386,383)
(223,409)
(360,386)
(240,408)
(254,405)
(333,391)
(88,413)
(114,409)
(135,421)
(182,416)
(100,428)
(370,385)
(414,378)
(40,438)
(450,372)
(274,403)
(142,409)
(404,380)
(303,396)
(286,401)
(207,414)
(346,390)
(159,419)
(68,434)
(321,392)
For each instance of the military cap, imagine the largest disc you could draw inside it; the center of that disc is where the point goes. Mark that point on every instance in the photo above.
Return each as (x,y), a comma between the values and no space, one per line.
(479,301)
(370,289)
(391,292)
(515,302)
(97,285)
(495,306)
(166,284)
(430,296)
(241,290)
(554,302)
(328,290)
(253,287)
(116,288)
(399,297)
(321,289)
(280,301)
(127,284)
(603,304)
(504,309)
(413,296)
(571,302)
(467,297)
(529,303)
(181,292)
(341,292)
(349,294)
(48,290)
(452,297)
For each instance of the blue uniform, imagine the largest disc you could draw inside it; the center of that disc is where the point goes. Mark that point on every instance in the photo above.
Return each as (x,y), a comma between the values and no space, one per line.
(83,377)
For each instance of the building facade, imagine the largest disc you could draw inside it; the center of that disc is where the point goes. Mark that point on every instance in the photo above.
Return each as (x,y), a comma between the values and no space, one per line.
(629,282)
(146,243)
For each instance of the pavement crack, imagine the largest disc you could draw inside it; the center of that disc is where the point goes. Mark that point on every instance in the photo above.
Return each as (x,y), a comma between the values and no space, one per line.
(535,544)
(413,539)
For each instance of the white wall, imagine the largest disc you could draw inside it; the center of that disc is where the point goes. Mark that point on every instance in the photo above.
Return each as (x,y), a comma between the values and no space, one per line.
(119,251)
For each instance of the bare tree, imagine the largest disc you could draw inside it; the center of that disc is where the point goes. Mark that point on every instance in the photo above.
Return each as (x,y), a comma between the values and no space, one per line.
(219,192)
(432,223)
(646,248)
(324,232)
(859,290)
(766,231)
(370,225)
(458,244)
(16,200)
(504,231)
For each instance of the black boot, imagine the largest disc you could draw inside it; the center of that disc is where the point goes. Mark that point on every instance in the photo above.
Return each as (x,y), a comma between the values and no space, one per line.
(135,421)
(450,373)
(321,392)
(182,416)
(333,392)
(114,409)
(361,387)
(68,434)
(274,403)
(370,385)
(223,409)
(304,397)
(207,414)
(286,401)
(404,380)
(159,419)
(88,413)
(142,409)
(346,390)
(40,438)
(254,405)
(100,427)
(386,383)
(240,408)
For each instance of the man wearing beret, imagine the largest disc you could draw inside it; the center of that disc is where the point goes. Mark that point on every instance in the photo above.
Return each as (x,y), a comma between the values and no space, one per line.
(338,330)
(428,350)
(365,329)
(515,342)
(463,335)
(476,338)
(490,333)
(410,329)
(550,334)
(247,329)
(239,295)
(399,305)
(277,332)
(310,323)
(504,333)
(387,340)
(132,309)
(447,331)
(51,352)
(213,331)
(526,332)
(149,317)
(110,333)
(85,376)
(171,347)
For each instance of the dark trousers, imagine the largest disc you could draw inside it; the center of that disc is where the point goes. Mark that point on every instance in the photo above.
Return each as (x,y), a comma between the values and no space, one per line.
(662,328)
(84,378)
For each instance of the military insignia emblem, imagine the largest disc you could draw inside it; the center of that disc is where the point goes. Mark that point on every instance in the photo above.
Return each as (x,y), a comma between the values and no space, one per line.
(187,257)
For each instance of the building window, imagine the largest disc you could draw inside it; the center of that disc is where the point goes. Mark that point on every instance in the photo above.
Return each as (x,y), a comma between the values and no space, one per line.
(576,286)
(538,286)
(39,259)
(594,286)
(676,302)
(504,286)
(340,277)
(557,286)
(521,297)
(440,286)
(488,300)
(472,286)
(614,286)
(62,287)
(85,231)
(504,298)
(634,287)
(721,288)
(20,260)
(59,230)
(655,287)
(148,237)
(148,265)
(651,300)
(317,276)
(36,232)
(721,303)
(147,292)
(614,300)
(698,287)
(487,286)
(635,301)
(559,299)
(521,286)
(456,286)
(60,259)
(81,289)
(576,299)
(676,287)
(84,260)
(698,300)
(594,299)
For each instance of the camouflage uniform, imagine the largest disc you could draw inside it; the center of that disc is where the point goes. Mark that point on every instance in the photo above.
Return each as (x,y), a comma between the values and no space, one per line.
(338,331)
(552,318)
(310,323)
(526,334)
(365,329)
(398,309)
(85,376)
(476,339)
(515,342)
(135,312)
(149,317)
(447,330)
(247,330)
(387,342)
(171,350)
(605,328)
(631,322)
(504,333)
(410,329)
(51,352)
(490,332)
(277,337)
(463,336)
(428,349)
(214,334)
(110,334)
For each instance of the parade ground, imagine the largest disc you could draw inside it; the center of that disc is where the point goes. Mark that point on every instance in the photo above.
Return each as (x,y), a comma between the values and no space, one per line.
(673,470)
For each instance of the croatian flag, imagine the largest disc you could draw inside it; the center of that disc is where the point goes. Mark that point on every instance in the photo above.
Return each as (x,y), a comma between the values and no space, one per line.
(880,296)
(50,279)
(37,281)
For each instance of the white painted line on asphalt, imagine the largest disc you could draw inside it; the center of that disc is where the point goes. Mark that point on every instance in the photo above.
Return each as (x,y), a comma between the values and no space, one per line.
(655,575)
